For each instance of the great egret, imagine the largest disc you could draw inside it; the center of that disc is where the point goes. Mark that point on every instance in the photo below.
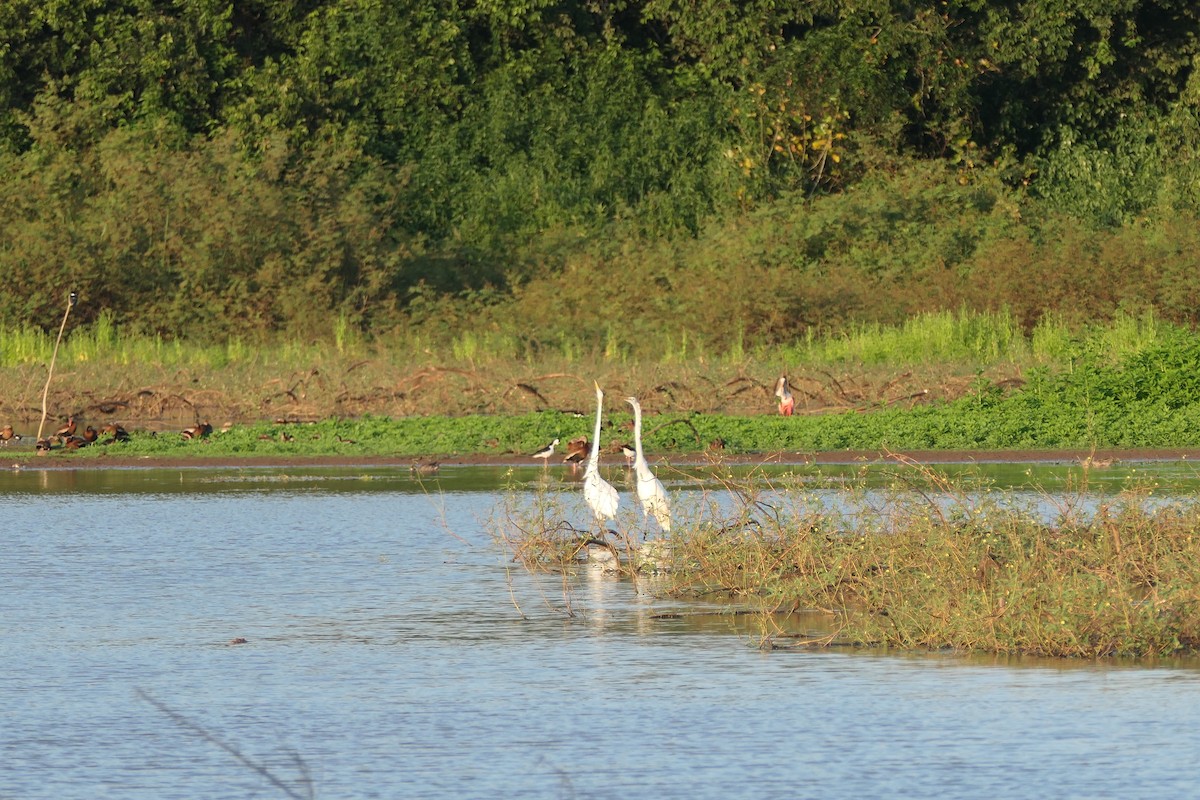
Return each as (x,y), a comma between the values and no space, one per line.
(650,490)
(599,493)
(545,453)
(787,403)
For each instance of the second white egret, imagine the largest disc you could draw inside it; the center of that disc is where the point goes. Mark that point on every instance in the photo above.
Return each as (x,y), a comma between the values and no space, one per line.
(650,490)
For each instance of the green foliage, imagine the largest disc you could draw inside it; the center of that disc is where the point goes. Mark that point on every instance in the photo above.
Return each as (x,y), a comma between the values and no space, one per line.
(745,172)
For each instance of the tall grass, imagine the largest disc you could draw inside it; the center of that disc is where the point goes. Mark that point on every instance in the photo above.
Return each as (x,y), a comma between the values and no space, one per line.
(964,337)
(931,563)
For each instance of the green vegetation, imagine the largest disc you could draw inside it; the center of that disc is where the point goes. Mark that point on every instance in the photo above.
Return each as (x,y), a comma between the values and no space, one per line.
(642,176)
(923,563)
(1133,383)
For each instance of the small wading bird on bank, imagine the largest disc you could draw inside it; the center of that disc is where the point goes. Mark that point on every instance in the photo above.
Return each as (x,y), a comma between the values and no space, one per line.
(650,490)
(545,453)
(630,453)
(786,402)
(599,493)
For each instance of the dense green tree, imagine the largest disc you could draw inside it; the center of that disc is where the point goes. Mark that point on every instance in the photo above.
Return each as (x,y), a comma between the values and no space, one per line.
(358,156)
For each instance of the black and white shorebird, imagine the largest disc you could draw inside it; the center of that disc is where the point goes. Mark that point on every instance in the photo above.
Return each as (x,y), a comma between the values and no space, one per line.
(630,453)
(545,453)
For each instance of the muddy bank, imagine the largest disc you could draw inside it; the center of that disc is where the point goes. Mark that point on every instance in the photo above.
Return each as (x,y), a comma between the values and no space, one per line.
(1096,459)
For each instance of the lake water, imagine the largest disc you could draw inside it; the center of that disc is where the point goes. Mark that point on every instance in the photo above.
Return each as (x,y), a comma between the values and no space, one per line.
(392,652)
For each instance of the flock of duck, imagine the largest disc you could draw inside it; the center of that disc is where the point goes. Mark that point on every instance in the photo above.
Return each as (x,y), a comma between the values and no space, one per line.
(69,437)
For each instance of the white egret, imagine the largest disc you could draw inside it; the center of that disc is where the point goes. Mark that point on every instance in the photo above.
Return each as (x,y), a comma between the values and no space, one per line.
(599,493)
(786,402)
(650,490)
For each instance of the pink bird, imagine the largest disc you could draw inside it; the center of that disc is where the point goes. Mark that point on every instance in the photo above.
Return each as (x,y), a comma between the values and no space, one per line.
(787,403)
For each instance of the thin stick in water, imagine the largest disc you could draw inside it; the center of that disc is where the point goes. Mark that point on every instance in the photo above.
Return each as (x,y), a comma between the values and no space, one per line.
(71,300)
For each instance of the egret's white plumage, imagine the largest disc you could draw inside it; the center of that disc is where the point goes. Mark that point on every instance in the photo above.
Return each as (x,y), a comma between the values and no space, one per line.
(650,490)
(599,493)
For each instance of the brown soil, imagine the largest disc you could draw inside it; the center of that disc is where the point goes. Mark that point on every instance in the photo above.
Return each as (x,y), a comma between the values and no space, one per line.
(353,390)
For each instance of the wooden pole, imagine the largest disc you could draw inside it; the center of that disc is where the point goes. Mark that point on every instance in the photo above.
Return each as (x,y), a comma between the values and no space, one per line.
(71,300)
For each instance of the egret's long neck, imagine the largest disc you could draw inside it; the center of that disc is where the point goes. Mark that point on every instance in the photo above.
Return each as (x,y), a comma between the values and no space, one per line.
(594,457)
(637,432)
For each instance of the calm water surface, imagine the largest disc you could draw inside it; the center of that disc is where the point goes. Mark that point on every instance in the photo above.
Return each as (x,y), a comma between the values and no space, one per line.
(391,652)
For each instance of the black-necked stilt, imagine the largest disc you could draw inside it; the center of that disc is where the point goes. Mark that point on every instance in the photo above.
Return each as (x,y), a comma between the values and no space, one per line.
(545,452)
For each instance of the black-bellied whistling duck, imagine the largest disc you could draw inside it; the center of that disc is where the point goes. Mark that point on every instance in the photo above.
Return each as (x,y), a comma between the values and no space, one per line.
(115,432)
(66,430)
(7,435)
(201,430)
(577,450)
(90,434)
(787,403)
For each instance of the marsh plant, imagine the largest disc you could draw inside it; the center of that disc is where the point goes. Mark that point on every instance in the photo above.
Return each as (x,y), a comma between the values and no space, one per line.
(926,562)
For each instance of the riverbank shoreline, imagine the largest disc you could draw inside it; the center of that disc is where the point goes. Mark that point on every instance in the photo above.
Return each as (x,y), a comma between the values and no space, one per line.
(1092,458)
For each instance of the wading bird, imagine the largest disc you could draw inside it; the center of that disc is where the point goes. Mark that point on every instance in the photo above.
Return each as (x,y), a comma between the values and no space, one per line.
(599,493)
(545,453)
(787,403)
(630,453)
(650,490)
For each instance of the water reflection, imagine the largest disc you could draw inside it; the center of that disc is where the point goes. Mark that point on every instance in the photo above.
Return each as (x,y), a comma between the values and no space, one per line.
(390,650)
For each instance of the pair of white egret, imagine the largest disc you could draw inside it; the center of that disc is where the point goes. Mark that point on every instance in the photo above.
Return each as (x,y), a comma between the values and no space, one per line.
(600,494)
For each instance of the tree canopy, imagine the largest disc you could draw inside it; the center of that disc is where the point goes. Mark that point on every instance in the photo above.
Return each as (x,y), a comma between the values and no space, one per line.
(205,167)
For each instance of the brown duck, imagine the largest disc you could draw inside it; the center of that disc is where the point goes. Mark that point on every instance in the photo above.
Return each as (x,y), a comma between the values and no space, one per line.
(200,431)
(577,450)
(115,433)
